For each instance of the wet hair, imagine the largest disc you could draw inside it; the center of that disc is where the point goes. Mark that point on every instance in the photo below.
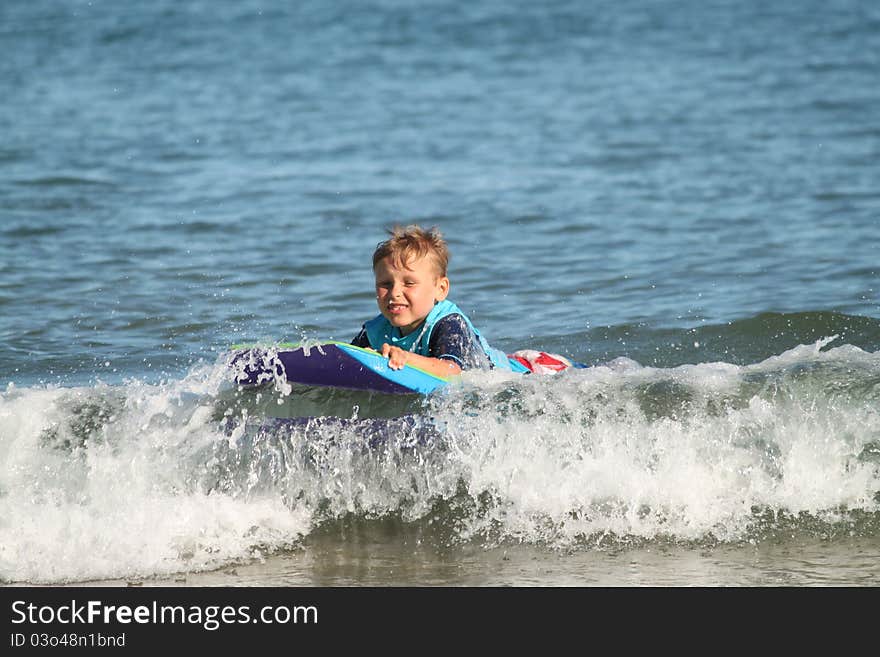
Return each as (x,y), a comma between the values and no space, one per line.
(411,243)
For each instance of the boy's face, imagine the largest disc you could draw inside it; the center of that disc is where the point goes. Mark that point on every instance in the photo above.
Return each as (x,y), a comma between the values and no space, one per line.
(406,295)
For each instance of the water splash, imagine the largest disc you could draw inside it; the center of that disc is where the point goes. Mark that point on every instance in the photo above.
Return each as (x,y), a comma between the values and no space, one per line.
(191,474)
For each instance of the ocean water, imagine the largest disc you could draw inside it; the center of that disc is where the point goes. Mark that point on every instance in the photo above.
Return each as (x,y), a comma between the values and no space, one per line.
(683,195)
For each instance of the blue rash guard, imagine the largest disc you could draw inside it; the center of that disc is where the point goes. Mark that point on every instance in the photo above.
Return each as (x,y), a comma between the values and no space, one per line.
(446,333)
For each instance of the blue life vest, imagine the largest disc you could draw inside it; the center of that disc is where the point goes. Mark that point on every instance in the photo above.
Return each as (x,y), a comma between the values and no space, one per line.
(379,331)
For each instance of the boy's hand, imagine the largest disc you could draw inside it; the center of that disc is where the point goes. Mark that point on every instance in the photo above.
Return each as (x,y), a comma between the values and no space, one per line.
(396,356)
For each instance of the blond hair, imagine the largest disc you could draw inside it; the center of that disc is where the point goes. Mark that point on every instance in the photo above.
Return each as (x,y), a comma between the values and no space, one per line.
(411,243)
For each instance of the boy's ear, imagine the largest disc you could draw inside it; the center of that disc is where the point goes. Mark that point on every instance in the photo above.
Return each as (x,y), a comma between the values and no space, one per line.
(442,289)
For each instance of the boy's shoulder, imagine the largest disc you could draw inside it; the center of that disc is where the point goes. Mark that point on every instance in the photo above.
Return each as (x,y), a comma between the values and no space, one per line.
(453,324)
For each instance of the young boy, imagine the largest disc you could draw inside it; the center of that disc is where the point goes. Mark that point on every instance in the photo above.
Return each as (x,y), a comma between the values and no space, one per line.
(417,325)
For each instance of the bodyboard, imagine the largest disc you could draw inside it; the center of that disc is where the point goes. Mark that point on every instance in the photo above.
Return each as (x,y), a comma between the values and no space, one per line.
(335,364)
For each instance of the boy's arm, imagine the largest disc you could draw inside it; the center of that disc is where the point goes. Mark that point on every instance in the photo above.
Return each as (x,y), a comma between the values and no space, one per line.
(398,357)
(453,338)
(361,339)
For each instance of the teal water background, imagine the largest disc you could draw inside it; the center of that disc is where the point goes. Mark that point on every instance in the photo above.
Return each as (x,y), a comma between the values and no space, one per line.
(689,191)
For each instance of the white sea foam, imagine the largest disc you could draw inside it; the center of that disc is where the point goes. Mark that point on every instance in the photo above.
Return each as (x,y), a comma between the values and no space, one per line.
(105,482)
(138,480)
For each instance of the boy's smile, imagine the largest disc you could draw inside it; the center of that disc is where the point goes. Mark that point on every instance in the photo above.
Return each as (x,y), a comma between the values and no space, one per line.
(407,294)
